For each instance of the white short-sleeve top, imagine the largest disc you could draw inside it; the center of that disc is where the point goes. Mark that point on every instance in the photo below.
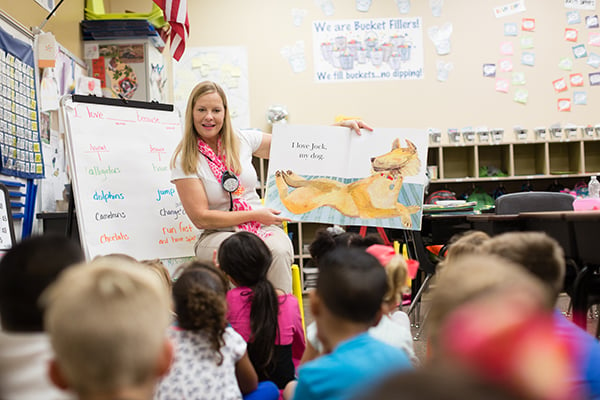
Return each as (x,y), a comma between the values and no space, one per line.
(218,198)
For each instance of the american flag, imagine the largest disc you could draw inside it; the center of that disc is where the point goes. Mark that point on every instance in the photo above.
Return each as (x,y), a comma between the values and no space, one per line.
(176,15)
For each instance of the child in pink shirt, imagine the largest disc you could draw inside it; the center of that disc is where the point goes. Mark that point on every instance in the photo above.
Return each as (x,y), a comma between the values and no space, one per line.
(267,319)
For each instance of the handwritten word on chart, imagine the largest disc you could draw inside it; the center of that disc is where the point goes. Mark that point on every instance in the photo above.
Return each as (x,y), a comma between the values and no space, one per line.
(178,233)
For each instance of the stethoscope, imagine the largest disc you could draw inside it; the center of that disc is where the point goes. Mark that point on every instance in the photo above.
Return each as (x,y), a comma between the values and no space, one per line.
(229,182)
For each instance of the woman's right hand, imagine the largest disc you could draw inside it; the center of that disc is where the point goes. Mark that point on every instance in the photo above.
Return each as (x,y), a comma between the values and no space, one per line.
(269,216)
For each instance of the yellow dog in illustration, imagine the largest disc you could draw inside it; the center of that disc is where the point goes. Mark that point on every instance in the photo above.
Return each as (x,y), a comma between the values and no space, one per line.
(375,196)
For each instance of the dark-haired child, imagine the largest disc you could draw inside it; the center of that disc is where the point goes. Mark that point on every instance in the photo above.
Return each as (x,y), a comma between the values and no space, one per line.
(346,302)
(26,270)
(211,361)
(270,321)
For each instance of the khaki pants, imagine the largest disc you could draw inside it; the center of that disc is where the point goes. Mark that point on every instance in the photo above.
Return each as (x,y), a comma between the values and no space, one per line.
(280,272)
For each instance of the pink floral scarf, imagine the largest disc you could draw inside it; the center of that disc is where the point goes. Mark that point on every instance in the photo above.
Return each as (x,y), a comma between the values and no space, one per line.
(217,166)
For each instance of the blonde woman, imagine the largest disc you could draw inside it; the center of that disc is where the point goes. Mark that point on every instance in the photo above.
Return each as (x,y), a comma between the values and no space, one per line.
(213,173)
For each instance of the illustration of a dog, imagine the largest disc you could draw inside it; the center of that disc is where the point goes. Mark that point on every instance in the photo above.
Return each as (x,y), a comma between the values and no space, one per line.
(375,196)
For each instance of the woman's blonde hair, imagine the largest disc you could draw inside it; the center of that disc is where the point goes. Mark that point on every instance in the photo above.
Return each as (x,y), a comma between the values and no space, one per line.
(188,146)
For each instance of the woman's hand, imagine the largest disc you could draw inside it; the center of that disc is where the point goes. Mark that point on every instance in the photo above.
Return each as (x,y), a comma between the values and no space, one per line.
(355,124)
(269,216)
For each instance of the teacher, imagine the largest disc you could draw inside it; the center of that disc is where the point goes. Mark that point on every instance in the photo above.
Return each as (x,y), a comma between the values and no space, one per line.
(216,181)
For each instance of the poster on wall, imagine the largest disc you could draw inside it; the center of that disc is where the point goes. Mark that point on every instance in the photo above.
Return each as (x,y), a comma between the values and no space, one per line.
(228,66)
(331,175)
(20,147)
(368,49)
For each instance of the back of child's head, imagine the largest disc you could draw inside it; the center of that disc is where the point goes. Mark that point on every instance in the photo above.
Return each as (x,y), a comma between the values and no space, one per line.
(107,322)
(464,243)
(330,238)
(470,276)
(159,268)
(396,271)
(351,284)
(540,254)
(200,304)
(25,271)
(433,382)
(245,258)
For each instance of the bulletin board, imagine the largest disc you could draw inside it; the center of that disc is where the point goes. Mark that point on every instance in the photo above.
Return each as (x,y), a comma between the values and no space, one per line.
(20,148)
(119,155)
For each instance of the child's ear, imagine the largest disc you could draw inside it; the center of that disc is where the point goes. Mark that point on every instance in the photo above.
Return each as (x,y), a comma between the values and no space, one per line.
(315,303)
(166,358)
(56,376)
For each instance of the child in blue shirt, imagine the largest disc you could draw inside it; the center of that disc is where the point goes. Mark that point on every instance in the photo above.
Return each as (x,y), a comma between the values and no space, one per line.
(345,304)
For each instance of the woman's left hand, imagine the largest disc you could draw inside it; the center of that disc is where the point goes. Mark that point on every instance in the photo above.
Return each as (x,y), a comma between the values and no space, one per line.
(355,124)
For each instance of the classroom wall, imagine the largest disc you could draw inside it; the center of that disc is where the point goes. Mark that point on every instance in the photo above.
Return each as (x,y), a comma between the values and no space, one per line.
(64,24)
(465,99)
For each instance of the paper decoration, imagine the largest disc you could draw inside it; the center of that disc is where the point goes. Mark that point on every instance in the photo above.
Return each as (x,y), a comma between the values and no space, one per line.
(580,98)
(326,6)
(594,78)
(528,58)
(403,6)
(593,60)
(363,5)
(443,70)
(521,96)
(579,51)
(565,63)
(581,4)
(440,36)
(502,85)
(594,39)
(509,9)
(298,15)
(591,21)
(573,17)
(489,70)
(506,65)
(571,34)
(563,105)
(295,56)
(506,48)
(576,79)
(527,42)
(47,50)
(511,29)
(436,7)
(528,24)
(560,85)
(518,78)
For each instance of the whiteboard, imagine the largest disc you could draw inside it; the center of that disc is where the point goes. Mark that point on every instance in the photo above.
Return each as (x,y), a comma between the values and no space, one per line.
(118,154)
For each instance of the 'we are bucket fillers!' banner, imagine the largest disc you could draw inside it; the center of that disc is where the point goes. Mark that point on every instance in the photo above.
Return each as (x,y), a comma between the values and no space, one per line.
(368,49)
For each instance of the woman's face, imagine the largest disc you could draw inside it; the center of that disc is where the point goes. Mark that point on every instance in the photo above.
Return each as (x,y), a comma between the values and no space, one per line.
(208,115)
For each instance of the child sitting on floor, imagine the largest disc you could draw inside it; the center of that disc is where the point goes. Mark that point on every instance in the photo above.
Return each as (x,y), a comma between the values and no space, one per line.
(269,320)
(211,361)
(346,302)
(394,326)
(107,322)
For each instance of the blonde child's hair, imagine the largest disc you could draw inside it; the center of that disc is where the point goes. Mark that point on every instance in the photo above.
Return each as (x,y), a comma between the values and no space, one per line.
(466,243)
(469,276)
(396,271)
(540,254)
(107,322)
(159,268)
